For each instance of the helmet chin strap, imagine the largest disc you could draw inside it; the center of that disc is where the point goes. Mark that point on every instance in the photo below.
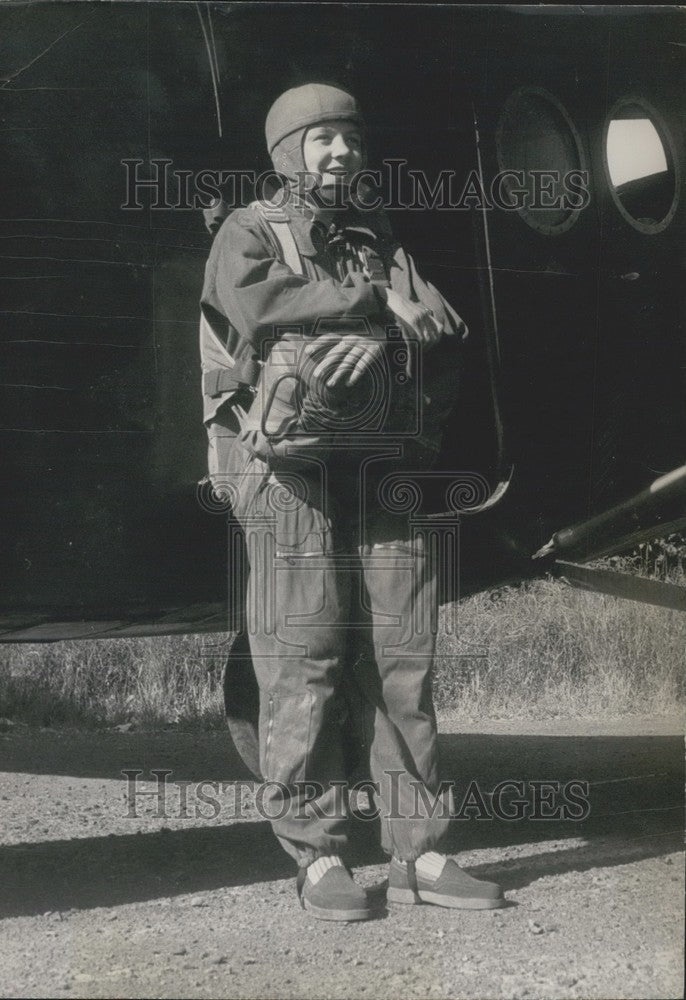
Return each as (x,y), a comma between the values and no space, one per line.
(287,155)
(288,159)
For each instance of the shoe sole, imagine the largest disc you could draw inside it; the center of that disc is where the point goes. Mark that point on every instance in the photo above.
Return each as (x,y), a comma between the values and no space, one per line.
(322,913)
(409,898)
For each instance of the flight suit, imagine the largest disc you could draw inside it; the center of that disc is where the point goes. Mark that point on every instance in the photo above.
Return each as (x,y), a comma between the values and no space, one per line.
(342,596)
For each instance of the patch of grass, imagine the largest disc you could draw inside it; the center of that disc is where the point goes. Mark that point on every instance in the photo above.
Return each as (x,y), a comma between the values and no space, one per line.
(544,649)
(105,682)
(534,651)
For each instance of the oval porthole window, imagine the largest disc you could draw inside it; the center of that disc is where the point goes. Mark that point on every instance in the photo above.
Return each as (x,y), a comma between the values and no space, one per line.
(542,161)
(641,166)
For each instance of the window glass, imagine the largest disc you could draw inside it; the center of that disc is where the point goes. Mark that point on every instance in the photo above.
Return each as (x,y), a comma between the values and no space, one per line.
(640,166)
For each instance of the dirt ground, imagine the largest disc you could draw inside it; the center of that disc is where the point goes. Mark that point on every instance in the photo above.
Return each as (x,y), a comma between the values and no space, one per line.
(103,895)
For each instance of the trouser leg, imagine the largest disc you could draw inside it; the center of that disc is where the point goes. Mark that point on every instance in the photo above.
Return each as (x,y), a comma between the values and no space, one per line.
(401,593)
(296,609)
(241,702)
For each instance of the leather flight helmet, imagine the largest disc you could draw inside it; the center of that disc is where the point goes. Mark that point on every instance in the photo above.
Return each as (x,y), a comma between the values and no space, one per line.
(295,111)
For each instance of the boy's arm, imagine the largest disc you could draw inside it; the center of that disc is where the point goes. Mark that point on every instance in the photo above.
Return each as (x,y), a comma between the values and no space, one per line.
(406,280)
(259,293)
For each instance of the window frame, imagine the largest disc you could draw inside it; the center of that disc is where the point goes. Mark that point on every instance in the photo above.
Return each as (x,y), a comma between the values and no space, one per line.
(670,155)
(528,215)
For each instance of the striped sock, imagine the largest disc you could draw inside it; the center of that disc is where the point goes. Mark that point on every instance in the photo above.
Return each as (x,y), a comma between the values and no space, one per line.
(430,865)
(321,866)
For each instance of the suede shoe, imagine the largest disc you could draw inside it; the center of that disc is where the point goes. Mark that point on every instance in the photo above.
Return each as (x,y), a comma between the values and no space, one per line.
(453,887)
(335,896)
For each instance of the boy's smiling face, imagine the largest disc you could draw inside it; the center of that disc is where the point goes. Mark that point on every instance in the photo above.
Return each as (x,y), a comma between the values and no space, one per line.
(333,151)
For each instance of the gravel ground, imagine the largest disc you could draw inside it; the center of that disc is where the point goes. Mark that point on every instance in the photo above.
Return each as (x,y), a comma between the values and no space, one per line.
(99,903)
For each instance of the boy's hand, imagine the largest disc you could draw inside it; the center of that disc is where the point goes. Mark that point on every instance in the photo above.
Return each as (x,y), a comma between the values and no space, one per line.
(417,322)
(347,357)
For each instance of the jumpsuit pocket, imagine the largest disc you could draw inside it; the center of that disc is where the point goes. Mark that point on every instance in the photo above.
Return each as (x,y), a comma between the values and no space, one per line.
(301,527)
(387,538)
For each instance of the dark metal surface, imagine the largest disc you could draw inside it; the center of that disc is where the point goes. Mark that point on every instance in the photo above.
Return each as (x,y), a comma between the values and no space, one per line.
(100,405)
(629,586)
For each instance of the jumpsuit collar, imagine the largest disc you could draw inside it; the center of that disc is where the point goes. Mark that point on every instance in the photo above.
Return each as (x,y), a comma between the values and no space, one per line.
(303,226)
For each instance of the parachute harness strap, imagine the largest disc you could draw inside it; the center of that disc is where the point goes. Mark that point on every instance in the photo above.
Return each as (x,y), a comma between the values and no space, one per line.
(279,224)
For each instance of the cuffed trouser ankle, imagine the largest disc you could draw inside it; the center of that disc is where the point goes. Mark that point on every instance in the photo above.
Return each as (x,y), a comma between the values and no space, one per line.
(321,601)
